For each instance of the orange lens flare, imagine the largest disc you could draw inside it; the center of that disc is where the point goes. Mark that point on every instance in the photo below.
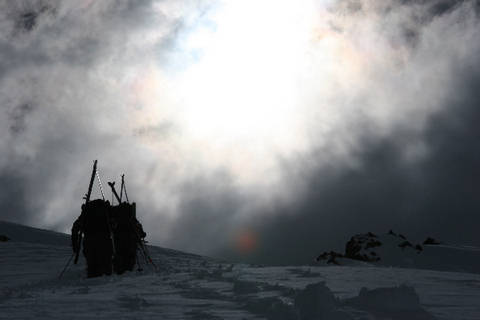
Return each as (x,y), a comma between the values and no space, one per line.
(246,241)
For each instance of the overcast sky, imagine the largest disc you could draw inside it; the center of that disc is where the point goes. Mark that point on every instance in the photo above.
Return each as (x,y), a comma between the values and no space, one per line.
(265,131)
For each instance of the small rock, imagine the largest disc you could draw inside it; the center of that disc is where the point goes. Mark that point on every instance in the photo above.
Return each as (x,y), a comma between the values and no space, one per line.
(430,241)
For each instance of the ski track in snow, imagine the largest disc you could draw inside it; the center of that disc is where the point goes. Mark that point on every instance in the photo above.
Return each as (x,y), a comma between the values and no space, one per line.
(188,286)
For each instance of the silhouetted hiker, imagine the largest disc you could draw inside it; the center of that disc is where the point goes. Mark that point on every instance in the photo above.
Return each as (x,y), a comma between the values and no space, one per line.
(94,223)
(128,233)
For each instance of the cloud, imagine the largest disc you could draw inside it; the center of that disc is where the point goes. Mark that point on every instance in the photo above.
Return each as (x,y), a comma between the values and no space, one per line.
(412,168)
(381,133)
(69,85)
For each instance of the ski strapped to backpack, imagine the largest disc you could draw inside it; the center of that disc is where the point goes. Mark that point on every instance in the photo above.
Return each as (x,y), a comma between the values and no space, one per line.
(78,243)
(87,199)
(123,187)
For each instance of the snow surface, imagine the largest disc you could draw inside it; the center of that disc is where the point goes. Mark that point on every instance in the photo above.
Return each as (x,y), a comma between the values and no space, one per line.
(187,286)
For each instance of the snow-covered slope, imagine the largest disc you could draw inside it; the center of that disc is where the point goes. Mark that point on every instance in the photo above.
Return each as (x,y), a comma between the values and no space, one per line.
(21,233)
(188,286)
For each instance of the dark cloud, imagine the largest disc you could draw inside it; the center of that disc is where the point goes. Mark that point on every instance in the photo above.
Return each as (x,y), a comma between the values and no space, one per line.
(13,198)
(26,14)
(18,118)
(452,172)
(209,207)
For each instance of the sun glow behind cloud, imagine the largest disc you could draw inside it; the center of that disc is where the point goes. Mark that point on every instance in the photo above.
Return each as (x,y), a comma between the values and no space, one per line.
(259,65)
(246,81)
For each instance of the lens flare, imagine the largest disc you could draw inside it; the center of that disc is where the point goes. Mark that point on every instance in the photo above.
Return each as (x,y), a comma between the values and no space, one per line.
(246,241)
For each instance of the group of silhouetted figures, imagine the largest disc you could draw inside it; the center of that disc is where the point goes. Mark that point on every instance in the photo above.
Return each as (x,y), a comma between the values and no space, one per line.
(111,236)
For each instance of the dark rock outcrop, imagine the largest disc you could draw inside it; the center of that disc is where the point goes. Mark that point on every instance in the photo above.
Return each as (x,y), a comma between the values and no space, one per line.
(359,243)
(331,257)
(368,247)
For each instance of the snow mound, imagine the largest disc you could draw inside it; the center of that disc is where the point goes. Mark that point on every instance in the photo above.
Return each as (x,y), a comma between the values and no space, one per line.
(245,287)
(390,303)
(317,301)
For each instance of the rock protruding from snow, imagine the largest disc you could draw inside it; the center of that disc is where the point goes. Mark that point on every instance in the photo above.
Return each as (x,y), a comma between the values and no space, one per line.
(395,303)
(394,249)
(369,247)
(390,249)
(4,238)
(331,257)
(431,241)
(361,247)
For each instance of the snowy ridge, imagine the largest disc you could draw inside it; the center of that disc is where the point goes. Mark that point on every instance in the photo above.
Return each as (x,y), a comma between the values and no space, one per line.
(188,286)
(395,250)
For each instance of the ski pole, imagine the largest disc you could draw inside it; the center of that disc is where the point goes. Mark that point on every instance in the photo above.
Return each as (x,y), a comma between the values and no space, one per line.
(66,266)
(148,254)
(77,253)
(138,262)
(87,199)
(144,249)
